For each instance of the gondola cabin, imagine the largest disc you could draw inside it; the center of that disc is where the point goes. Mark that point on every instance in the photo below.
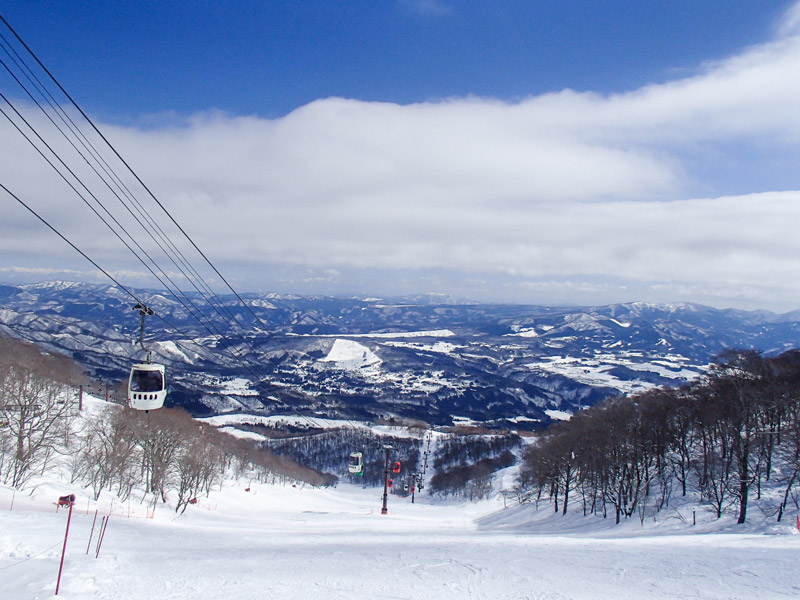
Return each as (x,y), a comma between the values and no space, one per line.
(147,387)
(356,463)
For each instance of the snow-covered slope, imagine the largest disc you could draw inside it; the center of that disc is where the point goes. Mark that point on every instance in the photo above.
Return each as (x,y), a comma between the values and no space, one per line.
(247,539)
(294,543)
(351,355)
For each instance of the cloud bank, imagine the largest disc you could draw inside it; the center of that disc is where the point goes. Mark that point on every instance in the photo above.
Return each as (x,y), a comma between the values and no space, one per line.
(685,190)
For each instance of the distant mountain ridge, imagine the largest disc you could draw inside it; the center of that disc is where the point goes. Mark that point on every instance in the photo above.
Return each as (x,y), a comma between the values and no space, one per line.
(497,364)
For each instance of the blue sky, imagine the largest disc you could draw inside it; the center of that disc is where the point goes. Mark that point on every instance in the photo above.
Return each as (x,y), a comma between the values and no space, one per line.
(540,152)
(127,59)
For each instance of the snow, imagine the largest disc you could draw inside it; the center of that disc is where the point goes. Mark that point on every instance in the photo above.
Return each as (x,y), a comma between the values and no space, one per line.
(520,331)
(522,419)
(620,323)
(171,347)
(669,373)
(249,539)
(429,333)
(429,383)
(244,435)
(437,347)
(228,424)
(596,371)
(398,432)
(258,303)
(412,334)
(558,415)
(237,386)
(588,371)
(350,355)
(230,421)
(296,543)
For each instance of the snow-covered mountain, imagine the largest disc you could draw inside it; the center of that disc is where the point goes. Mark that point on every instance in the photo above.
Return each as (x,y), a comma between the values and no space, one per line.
(374,358)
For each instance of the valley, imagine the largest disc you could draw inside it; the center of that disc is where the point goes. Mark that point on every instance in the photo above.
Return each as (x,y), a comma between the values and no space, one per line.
(368,359)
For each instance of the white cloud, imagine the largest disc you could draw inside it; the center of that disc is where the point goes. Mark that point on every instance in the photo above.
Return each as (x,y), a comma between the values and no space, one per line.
(657,191)
(789,25)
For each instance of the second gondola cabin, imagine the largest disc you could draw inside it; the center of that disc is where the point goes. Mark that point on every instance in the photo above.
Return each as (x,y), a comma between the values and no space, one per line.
(356,464)
(147,386)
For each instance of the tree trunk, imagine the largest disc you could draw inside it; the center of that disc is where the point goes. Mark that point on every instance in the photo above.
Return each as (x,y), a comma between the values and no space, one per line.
(743,486)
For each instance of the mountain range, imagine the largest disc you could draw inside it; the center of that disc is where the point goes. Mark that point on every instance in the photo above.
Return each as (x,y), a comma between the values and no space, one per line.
(421,358)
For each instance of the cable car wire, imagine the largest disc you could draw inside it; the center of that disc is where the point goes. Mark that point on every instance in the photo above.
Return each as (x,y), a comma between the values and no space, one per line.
(101,269)
(92,208)
(218,307)
(215,333)
(193,310)
(74,247)
(213,299)
(136,176)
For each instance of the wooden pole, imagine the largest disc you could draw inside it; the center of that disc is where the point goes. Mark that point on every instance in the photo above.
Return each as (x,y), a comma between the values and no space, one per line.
(91,535)
(64,549)
(99,533)
(102,536)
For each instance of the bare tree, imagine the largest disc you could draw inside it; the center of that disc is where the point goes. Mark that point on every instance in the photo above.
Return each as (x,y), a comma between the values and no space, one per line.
(36,407)
(108,450)
(783,434)
(158,435)
(741,386)
(198,465)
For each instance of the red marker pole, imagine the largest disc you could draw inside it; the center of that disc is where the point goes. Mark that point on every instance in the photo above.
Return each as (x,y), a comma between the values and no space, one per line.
(91,535)
(64,549)
(101,535)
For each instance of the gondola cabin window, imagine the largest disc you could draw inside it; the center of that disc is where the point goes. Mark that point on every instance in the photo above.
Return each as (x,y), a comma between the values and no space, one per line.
(147,381)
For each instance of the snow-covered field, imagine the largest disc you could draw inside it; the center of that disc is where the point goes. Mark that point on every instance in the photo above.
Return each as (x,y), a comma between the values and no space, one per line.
(598,370)
(287,542)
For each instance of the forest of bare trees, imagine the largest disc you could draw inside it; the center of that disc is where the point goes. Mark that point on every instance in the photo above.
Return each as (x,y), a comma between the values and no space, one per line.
(465,465)
(729,437)
(163,452)
(330,450)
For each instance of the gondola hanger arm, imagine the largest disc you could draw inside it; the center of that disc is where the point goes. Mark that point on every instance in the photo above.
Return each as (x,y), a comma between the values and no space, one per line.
(144,311)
